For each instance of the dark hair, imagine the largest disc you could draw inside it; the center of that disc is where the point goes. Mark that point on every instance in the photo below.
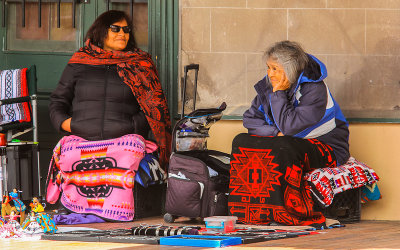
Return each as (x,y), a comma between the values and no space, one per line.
(98,32)
(291,56)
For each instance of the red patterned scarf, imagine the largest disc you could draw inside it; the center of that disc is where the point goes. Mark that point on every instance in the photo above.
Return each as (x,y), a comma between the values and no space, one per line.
(138,71)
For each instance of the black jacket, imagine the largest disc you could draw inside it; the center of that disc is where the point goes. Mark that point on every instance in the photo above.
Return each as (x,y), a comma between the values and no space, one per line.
(101,105)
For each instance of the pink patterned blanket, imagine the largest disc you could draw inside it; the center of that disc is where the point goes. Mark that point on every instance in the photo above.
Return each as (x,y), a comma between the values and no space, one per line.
(97,177)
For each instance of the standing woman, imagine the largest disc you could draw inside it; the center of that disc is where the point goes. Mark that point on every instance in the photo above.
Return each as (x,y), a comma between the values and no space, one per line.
(302,128)
(108,98)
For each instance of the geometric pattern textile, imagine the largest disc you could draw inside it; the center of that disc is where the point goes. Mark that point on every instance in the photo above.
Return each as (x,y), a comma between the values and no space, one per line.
(150,172)
(266,179)
(327,182)
(13,84)
(370,193)
(97,177)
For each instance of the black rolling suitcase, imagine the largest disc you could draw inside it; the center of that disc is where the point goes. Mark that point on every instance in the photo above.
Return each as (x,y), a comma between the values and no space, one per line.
(198,179)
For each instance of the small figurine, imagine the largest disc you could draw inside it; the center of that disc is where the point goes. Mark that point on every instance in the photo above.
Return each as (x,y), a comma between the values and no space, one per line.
(31,224)
(12,221)
(12,229)
(19,205)
(16,205)
(46,222)
(36,206)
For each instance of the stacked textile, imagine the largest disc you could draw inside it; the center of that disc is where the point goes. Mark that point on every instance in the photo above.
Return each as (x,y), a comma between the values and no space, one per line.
(13,84)
(327,182)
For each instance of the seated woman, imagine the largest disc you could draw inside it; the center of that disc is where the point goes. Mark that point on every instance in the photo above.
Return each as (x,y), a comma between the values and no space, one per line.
(109,89)
(304,129)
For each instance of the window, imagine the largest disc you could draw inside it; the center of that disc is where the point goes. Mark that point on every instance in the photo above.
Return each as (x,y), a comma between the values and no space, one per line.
(48,37)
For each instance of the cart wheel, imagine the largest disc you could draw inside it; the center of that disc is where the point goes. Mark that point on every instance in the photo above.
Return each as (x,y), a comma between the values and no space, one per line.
(169,218)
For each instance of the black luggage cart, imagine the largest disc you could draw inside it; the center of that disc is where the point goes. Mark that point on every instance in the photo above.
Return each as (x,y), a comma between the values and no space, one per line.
(198,178)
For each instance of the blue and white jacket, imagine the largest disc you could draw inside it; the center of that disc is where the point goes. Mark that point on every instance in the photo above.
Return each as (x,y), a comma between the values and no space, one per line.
(306,110)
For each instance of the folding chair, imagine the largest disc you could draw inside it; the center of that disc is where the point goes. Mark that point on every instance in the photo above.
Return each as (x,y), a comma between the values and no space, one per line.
(18,115)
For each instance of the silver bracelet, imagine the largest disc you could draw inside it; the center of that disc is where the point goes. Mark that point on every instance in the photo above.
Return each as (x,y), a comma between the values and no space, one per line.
(157,230)
(166,231)
(180,231)
(134,231)
(145,231)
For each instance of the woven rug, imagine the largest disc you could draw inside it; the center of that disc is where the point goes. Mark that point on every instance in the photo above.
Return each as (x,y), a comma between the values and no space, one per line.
(13,84)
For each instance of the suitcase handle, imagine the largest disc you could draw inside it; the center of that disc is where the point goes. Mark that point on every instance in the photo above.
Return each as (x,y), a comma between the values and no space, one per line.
(187,68)
(191,66)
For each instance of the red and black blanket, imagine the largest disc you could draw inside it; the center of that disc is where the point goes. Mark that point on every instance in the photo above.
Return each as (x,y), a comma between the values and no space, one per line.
(267,184)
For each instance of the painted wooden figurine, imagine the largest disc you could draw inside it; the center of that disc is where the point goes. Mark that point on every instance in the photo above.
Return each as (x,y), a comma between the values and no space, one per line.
(10,203)
(36,206)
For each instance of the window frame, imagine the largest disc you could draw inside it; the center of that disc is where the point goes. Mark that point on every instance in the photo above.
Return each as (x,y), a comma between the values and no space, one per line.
(4,33)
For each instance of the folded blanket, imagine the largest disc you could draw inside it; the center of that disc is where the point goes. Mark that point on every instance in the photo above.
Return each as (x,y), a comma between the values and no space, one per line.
(370,193)
(149,171)
(74,218)
(13,84)
(327,182)
(96,177)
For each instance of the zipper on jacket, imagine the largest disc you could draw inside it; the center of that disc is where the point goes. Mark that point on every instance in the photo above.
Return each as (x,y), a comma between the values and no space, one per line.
(104,101)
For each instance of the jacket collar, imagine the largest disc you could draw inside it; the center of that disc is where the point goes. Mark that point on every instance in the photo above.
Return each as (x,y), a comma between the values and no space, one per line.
(263,88)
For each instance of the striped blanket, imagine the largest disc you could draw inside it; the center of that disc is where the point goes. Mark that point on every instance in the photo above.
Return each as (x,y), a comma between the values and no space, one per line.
(13,83)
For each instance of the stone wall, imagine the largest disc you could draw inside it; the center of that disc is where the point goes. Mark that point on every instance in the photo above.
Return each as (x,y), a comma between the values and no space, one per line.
(358,40)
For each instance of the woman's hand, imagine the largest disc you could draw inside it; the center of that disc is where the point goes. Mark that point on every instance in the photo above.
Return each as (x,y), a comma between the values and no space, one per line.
(277,76)
(66,125)
(280,134)
(283,84)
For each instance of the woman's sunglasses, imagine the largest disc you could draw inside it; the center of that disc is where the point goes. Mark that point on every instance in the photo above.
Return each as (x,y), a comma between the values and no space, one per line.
(116,28)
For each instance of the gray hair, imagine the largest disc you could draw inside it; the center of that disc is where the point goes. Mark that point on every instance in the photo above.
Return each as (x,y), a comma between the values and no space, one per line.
(291,56)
